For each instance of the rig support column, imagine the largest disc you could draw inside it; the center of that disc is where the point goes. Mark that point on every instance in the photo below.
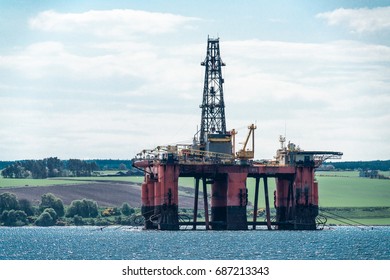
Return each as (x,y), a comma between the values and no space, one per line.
(306,196)
(168,177)
(282,203)
(218,202)
(195,218)
(147,199)
(206,204)
(267,209)
(157,201)
(297,200)
(237,199)
(256,202)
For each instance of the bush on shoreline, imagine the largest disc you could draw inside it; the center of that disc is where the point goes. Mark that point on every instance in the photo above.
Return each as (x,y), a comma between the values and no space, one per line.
(49,200)
(85,208)
(51,212)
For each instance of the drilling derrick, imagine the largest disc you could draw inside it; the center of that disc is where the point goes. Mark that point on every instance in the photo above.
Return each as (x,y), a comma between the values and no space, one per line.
(213,136)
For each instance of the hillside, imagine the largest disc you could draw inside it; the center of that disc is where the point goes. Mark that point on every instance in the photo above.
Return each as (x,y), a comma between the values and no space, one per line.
(105,193)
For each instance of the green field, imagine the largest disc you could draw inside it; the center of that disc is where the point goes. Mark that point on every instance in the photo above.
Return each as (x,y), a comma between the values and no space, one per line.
(336,189)
(353,192)
(10,183)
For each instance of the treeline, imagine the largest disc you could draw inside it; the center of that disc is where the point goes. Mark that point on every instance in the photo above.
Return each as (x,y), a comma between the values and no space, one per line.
(113,164)
(54,167)
(49,167)
(383,165)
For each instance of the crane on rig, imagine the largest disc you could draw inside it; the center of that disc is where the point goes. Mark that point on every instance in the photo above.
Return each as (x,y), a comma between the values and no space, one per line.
(248,151)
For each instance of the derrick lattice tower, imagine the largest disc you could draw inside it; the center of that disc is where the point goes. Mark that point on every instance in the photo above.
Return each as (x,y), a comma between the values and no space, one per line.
(213,106)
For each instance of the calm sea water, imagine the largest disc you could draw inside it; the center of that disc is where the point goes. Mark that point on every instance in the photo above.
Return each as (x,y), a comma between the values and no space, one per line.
(119,243)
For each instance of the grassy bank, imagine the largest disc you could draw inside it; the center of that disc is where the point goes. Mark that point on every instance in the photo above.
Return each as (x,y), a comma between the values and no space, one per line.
(352,191)
(357,215)
(336,189)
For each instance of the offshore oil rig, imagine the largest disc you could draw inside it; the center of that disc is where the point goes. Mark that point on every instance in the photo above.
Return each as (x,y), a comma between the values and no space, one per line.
(213,160)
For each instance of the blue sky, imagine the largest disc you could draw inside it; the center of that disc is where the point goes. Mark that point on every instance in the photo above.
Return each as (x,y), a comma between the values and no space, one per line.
(106,79)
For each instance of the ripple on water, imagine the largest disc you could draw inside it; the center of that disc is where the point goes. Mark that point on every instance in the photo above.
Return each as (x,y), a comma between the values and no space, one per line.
(123,243)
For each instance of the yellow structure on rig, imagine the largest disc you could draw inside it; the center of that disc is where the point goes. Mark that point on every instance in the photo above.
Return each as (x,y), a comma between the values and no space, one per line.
(248,151)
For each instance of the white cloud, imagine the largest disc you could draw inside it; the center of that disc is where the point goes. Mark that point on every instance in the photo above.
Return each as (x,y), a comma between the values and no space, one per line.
(51,59)
(359,20)
(331,95)
(111,23)
(322,91)
(266,70)
(34,132)
(72,96)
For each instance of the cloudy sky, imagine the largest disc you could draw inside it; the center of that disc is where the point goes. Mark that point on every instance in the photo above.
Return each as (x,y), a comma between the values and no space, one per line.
(106,79)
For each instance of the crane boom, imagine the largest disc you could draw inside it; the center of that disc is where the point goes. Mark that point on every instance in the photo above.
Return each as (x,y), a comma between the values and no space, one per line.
(246,153)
